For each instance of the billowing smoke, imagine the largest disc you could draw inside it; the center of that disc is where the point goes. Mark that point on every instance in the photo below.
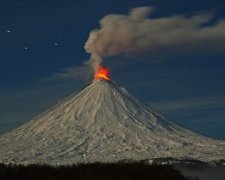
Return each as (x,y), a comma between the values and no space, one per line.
(137,33)
(95,61)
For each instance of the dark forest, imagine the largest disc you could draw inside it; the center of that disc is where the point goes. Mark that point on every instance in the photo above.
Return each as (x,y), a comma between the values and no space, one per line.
(95,171)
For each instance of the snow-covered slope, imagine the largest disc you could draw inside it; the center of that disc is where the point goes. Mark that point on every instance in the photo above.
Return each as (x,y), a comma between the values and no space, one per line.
(103,122)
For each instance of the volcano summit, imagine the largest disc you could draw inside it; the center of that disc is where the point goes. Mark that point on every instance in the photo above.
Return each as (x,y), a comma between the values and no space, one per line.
(103,123)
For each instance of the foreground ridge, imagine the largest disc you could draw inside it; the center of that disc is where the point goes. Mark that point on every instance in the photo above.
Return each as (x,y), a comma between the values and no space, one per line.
(94,171)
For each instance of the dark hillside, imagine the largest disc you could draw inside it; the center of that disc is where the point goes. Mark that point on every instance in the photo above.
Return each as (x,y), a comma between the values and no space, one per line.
(96,171)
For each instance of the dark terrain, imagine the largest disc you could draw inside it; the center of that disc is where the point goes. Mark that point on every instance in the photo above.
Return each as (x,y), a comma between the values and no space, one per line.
(96,171)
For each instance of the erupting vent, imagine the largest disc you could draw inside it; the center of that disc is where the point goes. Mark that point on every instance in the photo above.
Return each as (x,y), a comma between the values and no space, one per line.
(102,73)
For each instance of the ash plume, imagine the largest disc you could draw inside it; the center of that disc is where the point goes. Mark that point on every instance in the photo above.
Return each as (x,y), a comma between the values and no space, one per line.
(139,34)
(95,61)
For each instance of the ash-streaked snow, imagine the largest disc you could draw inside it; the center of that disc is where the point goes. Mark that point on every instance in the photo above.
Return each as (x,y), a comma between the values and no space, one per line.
(103,123)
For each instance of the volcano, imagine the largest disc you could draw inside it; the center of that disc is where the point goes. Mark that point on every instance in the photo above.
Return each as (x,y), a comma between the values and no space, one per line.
(105,123)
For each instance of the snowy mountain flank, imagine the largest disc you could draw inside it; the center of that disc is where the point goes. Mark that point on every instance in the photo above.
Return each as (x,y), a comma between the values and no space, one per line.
(103,123)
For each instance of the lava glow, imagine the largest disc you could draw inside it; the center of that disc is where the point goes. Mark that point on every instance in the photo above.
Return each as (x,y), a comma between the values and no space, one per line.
(102,73)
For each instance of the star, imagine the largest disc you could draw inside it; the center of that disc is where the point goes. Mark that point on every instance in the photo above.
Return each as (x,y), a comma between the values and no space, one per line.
(56,44)
(26,48)
(8,31)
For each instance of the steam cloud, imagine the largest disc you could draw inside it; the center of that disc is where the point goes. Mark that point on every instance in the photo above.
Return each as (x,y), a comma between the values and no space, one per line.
(138,33)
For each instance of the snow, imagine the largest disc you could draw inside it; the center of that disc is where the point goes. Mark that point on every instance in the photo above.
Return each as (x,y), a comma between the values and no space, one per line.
(103,123)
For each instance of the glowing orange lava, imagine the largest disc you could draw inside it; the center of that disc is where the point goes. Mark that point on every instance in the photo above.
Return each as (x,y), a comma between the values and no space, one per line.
(102,73)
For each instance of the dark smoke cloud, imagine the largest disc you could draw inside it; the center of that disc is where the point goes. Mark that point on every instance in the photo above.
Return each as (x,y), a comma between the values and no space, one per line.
(137,33)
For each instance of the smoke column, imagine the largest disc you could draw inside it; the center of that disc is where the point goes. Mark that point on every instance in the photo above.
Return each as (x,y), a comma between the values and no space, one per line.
(137,33)
(95,61)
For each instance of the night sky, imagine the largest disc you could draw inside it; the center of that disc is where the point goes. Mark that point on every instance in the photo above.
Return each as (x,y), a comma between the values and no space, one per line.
(42,57)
